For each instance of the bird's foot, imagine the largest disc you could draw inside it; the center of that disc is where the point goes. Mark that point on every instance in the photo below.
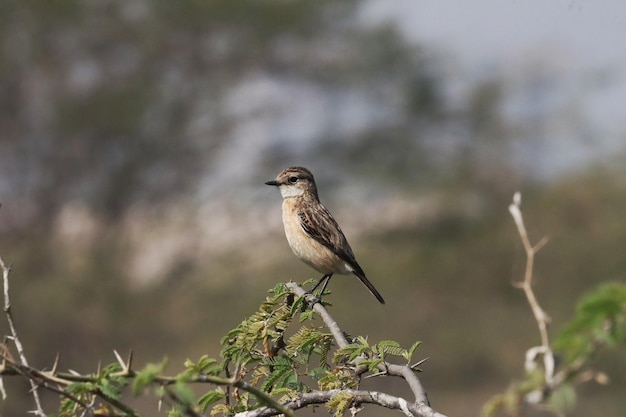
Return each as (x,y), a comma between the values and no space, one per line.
(313,299)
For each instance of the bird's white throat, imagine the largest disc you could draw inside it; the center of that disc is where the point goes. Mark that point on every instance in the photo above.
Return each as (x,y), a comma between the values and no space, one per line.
(290,191)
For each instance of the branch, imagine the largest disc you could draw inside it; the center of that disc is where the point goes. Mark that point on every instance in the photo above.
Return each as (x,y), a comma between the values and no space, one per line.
(48,380)
(332,325)
(541,317)
(96,385)
(421,406)
(358,397)
(16,340)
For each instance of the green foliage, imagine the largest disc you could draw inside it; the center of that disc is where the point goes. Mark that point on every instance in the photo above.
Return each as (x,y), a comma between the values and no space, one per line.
(374,355)
(599,323)
(253,339)
(338,379)
(340,402)
(209,398)
(147,375)
(390,347)
(204,366)
(260,366)
(107,385)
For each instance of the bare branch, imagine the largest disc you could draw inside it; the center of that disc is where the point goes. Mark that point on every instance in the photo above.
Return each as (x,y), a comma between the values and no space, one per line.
(16,340)
(541,317)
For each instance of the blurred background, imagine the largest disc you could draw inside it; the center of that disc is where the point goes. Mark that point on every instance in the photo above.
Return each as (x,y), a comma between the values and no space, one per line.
(136,136)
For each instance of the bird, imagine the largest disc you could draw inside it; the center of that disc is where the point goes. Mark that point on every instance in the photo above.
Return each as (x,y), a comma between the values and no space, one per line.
(312,232)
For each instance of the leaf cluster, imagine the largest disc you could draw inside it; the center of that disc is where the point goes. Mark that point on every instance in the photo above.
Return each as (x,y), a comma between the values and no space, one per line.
(374,356)
(101,391)
(264,362)
(599,324)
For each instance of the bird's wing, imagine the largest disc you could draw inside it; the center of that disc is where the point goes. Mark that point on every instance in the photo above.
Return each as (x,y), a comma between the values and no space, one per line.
(318,223)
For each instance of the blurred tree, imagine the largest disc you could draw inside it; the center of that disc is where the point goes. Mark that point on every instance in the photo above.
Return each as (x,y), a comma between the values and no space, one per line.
(118,102)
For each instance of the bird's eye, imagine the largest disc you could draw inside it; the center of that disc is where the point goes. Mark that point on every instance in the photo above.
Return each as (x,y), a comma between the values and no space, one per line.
(293,179)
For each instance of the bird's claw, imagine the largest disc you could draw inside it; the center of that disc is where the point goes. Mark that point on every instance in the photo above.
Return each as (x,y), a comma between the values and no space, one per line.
(313,299)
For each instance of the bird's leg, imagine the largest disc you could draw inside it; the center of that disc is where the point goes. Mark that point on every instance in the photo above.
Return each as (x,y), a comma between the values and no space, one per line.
(322,279)
(325,280)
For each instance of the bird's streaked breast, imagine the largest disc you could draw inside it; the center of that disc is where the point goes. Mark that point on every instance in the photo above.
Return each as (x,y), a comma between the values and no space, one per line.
(306,248)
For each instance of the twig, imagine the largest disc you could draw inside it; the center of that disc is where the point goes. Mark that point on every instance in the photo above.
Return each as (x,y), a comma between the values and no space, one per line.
(16,340)
(421,406)
(359,397)
(264,398)
(332,325)
(541,317)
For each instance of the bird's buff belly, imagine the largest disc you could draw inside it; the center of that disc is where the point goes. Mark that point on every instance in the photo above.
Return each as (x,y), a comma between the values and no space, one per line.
(313,253)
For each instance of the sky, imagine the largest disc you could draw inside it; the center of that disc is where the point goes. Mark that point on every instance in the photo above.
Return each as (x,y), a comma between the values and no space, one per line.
(485,31)
(582,44)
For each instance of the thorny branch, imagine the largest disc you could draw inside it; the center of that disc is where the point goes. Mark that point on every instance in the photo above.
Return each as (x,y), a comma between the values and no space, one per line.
(359,397)
(16,340)
(58,381)
(421,406)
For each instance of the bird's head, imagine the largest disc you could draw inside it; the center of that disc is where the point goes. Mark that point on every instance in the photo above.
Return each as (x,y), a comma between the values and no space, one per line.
(295,182)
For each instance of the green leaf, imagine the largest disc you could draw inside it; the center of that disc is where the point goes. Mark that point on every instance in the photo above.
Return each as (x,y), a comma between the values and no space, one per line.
(307,315)
(110,388)
(372,364)
(317,373)
(340,402)
(205,365)
(279,290)
(185,395)
(390,347)
(282,371)
(411,351)
(563,399)
(211,397)
(600,322)
(147,375)
(221,409)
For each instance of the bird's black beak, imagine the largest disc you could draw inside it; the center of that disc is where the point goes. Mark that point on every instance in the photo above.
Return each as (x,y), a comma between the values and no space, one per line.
(273,182)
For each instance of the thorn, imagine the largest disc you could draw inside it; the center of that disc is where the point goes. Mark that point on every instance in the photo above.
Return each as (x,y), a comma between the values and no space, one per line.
(377,374)
(73,372)
(2,390)
(55,364)
(418,363)
(129,362)
(236,375)
(120,360)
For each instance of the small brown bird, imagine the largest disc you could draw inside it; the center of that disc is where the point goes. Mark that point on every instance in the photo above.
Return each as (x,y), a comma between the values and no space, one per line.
(313,234)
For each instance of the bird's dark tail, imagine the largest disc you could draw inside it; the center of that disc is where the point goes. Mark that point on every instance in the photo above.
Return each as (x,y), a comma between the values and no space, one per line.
(361,276)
